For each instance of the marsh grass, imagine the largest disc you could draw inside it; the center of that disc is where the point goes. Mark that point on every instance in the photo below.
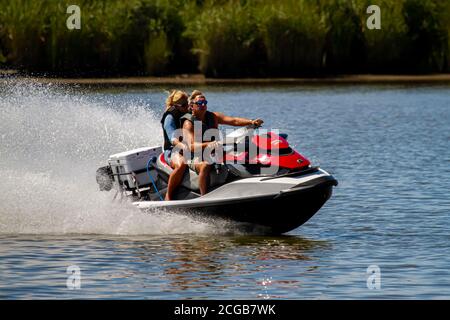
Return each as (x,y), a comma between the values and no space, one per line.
(385,49)
(427,34)
(294,34)
(116,36)
(225,38)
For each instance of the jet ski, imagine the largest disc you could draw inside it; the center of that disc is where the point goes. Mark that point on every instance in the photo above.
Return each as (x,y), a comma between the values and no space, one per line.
(258,181)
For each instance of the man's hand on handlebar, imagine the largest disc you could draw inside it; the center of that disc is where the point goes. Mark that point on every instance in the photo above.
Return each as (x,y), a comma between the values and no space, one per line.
(214,145)
(257,122)
(215,151)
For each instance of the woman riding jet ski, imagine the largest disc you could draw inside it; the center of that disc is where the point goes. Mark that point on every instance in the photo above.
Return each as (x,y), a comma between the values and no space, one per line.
(258,180)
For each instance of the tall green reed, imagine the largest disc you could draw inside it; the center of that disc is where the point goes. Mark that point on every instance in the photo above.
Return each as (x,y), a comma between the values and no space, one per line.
(225,38)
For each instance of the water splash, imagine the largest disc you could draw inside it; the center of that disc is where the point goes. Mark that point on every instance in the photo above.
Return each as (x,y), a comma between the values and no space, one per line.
(52,141)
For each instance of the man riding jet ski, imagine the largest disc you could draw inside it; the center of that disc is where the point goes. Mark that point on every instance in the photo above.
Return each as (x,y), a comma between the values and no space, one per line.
(197,140)
(183,140)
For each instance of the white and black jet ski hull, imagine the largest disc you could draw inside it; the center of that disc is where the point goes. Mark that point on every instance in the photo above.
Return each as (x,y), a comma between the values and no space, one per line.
(277,204)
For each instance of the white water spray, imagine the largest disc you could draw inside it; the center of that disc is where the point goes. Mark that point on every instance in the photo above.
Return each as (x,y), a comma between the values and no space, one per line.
(52,140)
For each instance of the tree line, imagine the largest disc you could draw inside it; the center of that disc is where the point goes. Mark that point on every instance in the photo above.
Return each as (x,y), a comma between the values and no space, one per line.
(225,38)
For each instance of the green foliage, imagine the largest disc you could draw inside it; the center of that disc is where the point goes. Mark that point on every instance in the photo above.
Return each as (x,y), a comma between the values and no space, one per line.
(345,48)
(427,34)
(386,47)
(115,36)
(2,57)
(21,27)
(294,37)
(225,38)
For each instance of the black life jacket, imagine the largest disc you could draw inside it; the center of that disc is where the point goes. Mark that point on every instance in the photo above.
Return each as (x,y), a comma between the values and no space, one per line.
(209,123)
(167,142)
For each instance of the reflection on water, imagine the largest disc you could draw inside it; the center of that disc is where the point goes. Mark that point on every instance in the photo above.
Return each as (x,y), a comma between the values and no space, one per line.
(202,261)
(164,267)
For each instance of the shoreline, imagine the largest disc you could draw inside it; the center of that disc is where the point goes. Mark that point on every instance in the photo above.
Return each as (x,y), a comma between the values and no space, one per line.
(201,80)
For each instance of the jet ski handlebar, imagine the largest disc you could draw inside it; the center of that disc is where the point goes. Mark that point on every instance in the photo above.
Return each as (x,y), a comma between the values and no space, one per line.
(228,142)
(238,134)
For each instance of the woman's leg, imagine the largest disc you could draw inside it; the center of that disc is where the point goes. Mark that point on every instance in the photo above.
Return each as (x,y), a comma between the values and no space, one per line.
(179,166)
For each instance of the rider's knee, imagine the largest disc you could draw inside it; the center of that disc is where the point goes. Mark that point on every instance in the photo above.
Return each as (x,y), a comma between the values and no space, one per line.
(182,165)
(178,163)
(204,167)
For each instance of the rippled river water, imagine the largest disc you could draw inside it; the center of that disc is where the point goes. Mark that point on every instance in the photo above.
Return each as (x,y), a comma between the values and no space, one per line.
(389,147)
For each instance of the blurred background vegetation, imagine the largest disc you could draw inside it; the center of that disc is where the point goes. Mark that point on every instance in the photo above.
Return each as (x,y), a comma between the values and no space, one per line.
(225,38)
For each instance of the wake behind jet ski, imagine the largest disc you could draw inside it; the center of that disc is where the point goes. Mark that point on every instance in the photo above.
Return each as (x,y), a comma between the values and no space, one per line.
(275,188)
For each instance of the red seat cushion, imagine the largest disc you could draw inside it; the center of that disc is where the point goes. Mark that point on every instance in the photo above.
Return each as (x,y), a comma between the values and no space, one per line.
(163,160)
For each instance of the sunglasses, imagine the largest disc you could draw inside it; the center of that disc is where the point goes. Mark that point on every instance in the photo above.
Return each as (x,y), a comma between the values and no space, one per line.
(201,104)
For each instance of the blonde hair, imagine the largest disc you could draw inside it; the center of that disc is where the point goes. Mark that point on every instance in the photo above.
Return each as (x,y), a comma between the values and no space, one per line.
(176,97)
(195,94)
